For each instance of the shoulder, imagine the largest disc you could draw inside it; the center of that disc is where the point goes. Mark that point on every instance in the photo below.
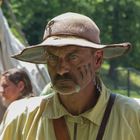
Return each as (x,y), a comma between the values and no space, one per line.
(30,103)
(128,106)
(25,106)
(124,100)
(126,113)
(47,90)
(137,100)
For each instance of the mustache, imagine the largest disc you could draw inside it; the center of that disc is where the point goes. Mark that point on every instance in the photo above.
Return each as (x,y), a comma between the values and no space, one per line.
(65,76)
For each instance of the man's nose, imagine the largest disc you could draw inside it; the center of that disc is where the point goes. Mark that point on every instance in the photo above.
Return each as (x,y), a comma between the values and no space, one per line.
(62,67)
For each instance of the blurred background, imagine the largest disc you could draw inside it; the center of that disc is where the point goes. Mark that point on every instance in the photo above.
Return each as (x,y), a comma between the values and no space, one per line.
(118,20)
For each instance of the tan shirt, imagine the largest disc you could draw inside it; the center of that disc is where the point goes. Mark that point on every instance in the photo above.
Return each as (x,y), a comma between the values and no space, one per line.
(31,119)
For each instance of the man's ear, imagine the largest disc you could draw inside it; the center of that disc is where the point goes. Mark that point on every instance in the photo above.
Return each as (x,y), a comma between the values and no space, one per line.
(21,86)
(98,58)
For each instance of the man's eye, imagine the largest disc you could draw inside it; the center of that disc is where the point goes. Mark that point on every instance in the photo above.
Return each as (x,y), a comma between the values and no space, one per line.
(52,57)
(73,57)
(4,86)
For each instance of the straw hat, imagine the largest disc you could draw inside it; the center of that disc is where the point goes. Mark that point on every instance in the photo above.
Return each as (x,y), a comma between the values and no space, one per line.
(71,29)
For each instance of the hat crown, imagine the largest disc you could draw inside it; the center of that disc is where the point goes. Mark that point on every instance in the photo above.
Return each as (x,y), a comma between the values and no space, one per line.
(71,29)
(73,24)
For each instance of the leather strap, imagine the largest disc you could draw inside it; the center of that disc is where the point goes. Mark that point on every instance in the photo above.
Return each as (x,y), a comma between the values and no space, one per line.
(106,117)
(60,129)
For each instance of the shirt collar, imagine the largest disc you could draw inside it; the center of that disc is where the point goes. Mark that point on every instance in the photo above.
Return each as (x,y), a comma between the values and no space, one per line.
(96,113)
(56,110)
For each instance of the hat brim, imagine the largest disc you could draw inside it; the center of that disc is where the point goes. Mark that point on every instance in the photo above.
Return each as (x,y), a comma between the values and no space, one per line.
(36,53)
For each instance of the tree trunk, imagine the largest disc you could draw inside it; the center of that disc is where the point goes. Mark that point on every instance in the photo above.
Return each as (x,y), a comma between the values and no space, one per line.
(112,73)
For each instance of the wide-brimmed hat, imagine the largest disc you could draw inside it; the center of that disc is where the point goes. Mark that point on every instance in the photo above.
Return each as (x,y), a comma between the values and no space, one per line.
(71,29)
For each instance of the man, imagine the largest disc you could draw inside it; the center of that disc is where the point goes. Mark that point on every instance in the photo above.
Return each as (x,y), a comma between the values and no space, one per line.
(79,106)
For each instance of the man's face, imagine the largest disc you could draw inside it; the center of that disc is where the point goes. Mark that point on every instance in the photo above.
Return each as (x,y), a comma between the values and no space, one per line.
(71,68)
(8,91)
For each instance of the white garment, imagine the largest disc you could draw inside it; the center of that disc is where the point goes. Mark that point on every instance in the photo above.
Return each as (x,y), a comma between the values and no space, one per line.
(10,45)
(2,110)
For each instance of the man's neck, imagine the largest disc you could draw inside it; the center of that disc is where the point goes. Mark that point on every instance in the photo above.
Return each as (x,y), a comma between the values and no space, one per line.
(80,102)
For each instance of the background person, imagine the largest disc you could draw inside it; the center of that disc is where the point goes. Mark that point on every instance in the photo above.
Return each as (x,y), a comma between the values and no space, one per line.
(15,84)
(79,101)
(2,109)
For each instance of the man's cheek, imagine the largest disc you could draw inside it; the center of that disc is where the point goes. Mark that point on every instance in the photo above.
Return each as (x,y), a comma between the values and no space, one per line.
(90,69)
(52,74)
(85,71)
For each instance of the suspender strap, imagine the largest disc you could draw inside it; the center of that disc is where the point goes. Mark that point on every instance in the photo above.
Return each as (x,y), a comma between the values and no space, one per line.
(106,117)
(60,129)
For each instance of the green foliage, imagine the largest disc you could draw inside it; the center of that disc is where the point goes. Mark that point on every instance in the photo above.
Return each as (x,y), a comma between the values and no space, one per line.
(119,21)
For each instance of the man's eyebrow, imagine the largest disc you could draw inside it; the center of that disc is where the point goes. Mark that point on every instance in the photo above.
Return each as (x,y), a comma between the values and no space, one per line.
(74,51)
(48,52)
(4,85)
